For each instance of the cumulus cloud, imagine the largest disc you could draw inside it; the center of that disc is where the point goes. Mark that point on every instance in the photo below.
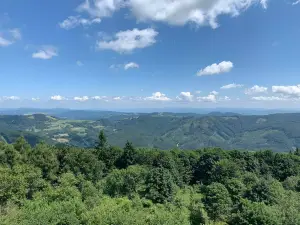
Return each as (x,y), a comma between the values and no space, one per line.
(214,93)
(233,85)
(129,40)
(13,98)
(46,52)
(100,8)
(117,98)
(256,89)
(175,12)
(9,37)
(98,97)
(268,98)
(185,96)
(4,42)
(209,98)
(81,99)
(57,98)
(222,67)
(287,90)
(131,65)
(158,96)
(226,98)
(75,21)
(296,2)
(79,63)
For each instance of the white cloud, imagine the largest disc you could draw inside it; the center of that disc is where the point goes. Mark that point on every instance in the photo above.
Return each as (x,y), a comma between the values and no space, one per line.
(57,98)
(9,37)
(175,12)
(268,98)
(209,98)
(4,42)
(75,21)
(131,65)
(13,98)
(185,96)
(214,93)
(79,63)
(129,40)
(256,89)
(226,98)
(35,99)
(296,2)
(99,97)
(197,92)
(233,85)
(81,99)
(158,96)
(287,90)
(46,52)
(100,8)
(117,98)
(222,67)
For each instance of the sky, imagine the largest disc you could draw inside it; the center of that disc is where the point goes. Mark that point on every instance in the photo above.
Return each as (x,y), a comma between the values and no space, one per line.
(108,54)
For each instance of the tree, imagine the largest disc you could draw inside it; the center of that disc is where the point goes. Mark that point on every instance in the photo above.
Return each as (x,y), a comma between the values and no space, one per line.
(268,191)
(102,141)
(44,157)
(255,214)
(21,145)
(110,156)
(217,201)
(129,156)
(160,185)
(125,182)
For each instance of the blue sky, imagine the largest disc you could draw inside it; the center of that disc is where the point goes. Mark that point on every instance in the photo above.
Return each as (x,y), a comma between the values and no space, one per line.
(150,53)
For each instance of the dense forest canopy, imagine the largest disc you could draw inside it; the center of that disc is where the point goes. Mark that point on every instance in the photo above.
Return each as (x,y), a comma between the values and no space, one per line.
(60,184)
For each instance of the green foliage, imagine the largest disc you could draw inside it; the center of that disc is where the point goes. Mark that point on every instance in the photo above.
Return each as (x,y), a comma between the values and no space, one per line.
(129,156)
(80,161)
(217,201)
(110,156)
(268,191)
(62,185)
(44,157)
(102,141)
(256,214)
(160,185)
(125,182)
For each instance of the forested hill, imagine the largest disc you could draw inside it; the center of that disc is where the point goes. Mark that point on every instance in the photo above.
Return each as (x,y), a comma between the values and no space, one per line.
(277,132)
(108,185)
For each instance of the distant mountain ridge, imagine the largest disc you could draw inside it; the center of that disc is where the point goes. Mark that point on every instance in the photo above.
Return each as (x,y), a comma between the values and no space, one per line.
(278,132)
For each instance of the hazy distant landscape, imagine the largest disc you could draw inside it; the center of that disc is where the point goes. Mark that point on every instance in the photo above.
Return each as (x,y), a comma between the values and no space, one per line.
(278,132)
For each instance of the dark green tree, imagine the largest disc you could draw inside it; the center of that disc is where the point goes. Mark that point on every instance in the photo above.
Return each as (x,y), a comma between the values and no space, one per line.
(255,214)
(160,186)
(21,145)
(102,141)
(129,156)
(217,201)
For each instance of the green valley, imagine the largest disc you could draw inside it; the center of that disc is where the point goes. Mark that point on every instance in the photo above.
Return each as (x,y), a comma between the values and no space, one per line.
(277,132)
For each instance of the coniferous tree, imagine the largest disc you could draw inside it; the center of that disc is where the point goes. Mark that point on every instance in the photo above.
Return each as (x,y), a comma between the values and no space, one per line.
(102,141)
(129,155)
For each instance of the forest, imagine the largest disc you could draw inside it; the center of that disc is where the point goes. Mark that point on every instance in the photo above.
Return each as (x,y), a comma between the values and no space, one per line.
(108,185)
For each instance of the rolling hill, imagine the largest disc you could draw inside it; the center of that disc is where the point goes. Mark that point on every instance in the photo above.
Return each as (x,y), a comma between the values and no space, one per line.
(278,132)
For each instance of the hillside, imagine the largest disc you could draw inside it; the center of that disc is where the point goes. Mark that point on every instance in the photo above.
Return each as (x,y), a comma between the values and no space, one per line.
(278,132)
